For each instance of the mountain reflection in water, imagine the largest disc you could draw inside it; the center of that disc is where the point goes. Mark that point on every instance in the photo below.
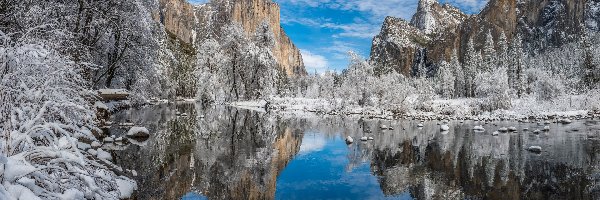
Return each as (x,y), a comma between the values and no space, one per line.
(228,153)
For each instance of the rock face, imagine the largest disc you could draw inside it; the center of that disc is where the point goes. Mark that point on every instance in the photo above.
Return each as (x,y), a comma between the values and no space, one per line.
(432,17)
(189,23)
(397,47)
(401,45)
(177,17)
(251,13)
(540,23)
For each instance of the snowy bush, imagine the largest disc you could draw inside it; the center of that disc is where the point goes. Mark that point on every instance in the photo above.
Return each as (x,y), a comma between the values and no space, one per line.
(492,89)
(544,85)
(45,110)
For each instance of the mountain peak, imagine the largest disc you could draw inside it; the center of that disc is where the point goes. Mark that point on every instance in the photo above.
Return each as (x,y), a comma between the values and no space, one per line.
(432,17)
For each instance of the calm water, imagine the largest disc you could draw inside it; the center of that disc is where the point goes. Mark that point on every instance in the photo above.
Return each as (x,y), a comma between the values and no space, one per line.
(240,154)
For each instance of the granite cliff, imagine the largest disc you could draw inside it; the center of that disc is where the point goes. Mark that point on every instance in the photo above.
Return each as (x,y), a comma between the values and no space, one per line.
(192,23)
(542,24)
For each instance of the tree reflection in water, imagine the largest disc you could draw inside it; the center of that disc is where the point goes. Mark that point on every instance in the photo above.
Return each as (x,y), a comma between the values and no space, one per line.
(239,154)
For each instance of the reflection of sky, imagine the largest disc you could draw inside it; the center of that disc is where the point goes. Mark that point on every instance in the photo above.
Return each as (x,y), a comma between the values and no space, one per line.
(312,142)
(319,172)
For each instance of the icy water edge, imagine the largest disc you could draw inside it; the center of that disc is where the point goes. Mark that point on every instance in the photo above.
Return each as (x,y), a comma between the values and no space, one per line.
(228,153)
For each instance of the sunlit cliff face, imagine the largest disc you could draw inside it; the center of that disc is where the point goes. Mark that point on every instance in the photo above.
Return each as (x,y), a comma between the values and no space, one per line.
(192,24)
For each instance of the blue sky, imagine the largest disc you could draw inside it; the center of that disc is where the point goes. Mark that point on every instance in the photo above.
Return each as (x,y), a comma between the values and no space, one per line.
(325,30)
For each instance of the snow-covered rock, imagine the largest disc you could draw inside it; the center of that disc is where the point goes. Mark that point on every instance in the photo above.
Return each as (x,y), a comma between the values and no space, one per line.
(444,127)
(126,187)
(349,140)
(495,133)
(565,121)
(96,144)
(101,106)
(478,128)
(103,154)
(108,139)
(546,128)
(92,152)
(512,129)
(138,132)
(503,130)
(535,149)
(371,138)
(365,138)
(419,125)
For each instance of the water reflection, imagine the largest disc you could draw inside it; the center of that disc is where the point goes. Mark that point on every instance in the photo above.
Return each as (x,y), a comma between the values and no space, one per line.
(226,153)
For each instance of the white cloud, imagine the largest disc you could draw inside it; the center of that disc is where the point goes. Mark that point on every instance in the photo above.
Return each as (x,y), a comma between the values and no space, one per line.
(340,49)
(312,143)
(314,62)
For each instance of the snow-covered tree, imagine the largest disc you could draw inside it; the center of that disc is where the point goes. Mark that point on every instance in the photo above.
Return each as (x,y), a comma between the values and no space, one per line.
(472,65)
(591,74)
(517,67)
(544,85)
(45,111)
(459,75)
(489,53)
(493,91)
(445,80)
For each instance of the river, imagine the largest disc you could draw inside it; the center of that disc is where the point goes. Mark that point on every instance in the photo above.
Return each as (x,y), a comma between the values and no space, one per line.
(229,153)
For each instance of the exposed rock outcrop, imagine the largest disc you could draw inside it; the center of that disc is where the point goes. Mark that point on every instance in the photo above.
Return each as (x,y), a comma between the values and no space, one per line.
(397,46)
(190,24)
(540,23)
(178,18)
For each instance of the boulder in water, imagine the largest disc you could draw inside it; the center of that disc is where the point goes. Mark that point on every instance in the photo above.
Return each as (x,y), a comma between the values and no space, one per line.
(444,127)
(349,140)
(479,128)
(535,149)
(138,132)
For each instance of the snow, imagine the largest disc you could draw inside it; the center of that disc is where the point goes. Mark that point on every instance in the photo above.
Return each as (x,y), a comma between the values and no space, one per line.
(21,193)
(72,194)
(444,127)
(95,144)
(535,149)
(103,154)
(349,140)
(259,105)
(15,168)
(113,91)
(100,105)
(126,187)
(138,132)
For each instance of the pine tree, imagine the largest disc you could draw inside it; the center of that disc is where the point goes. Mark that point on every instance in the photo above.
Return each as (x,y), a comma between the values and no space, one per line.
(459,76)
(589,67)
(472,61)
(445,80)
(489,53)
(516,64)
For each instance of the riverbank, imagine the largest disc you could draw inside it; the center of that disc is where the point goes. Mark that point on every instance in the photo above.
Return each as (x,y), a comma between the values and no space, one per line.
(572,107)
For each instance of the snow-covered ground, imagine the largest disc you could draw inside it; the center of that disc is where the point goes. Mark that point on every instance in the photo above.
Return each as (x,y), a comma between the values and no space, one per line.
(566,106)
